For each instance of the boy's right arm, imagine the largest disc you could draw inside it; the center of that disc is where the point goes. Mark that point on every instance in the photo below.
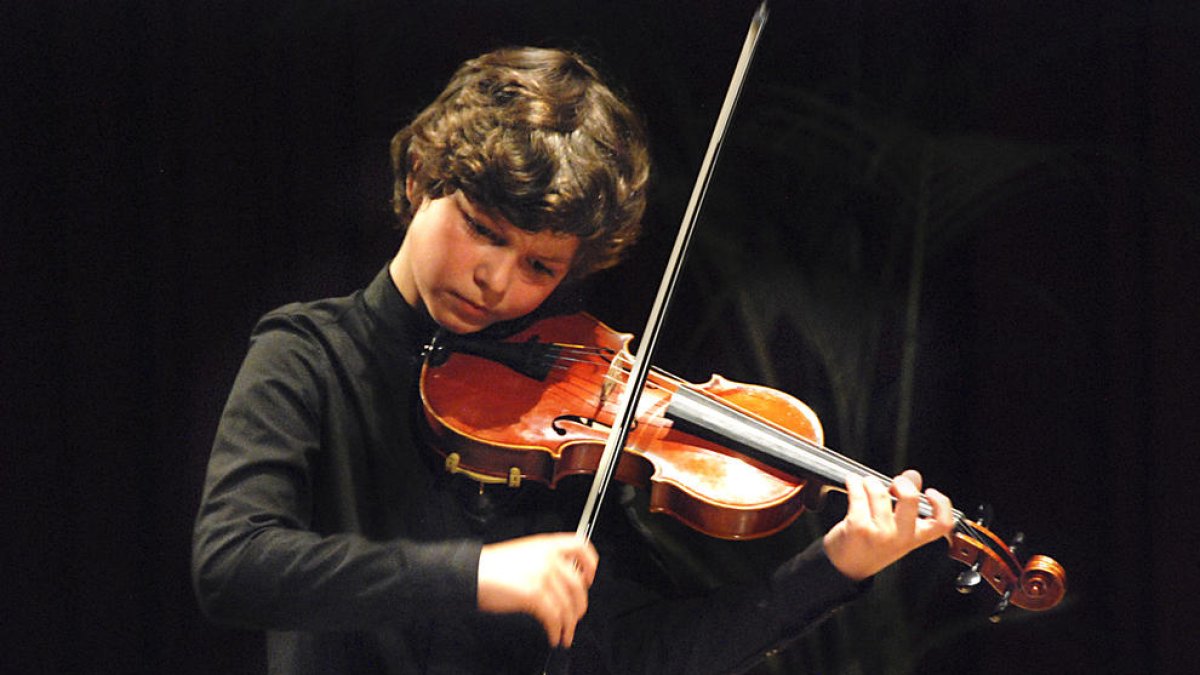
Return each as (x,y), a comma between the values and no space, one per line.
(543,575)
(256,561)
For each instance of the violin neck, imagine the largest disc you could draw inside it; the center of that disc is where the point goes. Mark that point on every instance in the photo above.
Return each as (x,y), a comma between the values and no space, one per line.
(713,420)
(717,421)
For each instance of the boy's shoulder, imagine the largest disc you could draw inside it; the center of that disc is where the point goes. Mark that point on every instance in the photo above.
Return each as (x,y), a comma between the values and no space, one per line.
(311,317)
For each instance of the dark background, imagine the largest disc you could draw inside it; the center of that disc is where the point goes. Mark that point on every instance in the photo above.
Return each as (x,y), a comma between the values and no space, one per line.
(175,169)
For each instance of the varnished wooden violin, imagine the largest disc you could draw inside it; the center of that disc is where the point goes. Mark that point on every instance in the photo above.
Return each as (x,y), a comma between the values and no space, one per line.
(735,461)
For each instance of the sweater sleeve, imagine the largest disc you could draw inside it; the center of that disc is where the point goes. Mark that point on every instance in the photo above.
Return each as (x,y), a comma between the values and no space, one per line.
(257,562)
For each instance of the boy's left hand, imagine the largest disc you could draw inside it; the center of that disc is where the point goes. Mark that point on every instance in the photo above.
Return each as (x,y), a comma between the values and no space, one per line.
(875,533)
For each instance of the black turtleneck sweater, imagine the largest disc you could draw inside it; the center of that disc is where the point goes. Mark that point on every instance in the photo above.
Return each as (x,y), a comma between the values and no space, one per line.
(327,524)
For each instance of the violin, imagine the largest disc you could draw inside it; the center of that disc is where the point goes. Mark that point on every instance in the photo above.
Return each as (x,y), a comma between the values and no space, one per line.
(731,460)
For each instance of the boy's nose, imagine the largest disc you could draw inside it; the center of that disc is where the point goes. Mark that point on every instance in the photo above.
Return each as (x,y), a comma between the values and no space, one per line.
(493,275)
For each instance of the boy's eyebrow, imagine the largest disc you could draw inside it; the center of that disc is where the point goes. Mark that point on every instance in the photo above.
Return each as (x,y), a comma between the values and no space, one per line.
(498,224)
(557,260)
(473,213)
(476,221)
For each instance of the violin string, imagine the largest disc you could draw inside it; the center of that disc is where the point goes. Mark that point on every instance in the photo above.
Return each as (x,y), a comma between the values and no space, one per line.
(567,354)
(583,392)
(585,395)
(846,463)
(581,354)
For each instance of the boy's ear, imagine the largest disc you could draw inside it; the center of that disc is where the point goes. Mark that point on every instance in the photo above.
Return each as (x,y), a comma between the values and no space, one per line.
(414,166)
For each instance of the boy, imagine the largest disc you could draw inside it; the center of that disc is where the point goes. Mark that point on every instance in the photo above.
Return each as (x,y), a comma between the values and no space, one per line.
(323,520)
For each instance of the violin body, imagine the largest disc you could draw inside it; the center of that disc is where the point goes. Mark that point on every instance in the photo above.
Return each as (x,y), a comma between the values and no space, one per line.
(498,426)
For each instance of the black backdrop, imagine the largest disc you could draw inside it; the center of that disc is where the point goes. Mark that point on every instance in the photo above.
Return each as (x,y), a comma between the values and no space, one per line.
(173,170)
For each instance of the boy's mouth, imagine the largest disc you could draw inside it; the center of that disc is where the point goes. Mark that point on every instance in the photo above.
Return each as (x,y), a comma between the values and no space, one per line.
(472,308)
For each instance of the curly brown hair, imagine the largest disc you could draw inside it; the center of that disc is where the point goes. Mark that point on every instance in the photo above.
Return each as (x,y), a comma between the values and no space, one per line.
(536,136)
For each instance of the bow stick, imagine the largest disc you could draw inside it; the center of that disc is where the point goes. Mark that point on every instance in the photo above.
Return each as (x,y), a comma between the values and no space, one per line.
(639,368)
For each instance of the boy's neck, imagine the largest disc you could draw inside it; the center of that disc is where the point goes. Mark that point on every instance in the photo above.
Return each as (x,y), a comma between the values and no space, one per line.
(400,270)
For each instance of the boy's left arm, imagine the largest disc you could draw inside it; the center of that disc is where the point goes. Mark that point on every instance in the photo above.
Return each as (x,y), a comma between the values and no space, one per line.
(727,631)
(735,627)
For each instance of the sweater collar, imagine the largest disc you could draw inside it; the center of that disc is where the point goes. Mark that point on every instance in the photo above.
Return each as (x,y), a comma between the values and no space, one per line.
(410,327)
(413,328)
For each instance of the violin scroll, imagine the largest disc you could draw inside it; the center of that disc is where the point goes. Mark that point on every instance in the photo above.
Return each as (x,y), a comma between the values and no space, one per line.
(1037,585)
(1043,583)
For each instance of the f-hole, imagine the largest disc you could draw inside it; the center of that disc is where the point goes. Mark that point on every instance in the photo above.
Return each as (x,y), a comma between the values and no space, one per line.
(589,422)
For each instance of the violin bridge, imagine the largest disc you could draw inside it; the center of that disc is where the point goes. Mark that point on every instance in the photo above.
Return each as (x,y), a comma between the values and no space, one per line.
(610,383)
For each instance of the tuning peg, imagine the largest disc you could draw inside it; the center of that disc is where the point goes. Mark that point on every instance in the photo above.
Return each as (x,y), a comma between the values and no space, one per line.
(968,579)
(1017,541)
(1000,607)
(983,514)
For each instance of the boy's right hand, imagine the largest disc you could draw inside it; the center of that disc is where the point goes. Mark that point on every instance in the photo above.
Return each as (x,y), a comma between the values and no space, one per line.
(545,575)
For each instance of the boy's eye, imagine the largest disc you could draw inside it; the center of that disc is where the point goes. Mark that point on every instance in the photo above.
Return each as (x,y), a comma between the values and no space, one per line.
(541,268)
(484,231)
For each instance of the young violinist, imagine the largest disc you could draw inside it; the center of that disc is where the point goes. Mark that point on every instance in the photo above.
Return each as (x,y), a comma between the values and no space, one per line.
(326,523)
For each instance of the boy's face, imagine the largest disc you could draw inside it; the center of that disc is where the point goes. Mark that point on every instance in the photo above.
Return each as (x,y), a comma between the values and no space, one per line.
(470,269)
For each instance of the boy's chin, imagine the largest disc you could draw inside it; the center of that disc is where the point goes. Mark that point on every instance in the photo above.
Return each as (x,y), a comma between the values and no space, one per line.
(459,328)
(458,325)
